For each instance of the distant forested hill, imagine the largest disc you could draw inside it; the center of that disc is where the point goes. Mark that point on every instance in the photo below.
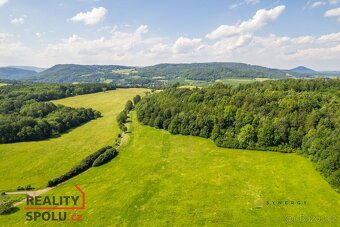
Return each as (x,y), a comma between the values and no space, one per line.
(302,69)
(211,71)
(157,74)
(80,73)
(9,73)
(286,116)
(32,68)
(307,71)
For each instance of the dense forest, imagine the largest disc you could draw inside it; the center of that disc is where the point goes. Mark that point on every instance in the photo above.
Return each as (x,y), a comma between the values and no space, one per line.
(25,114)
(300,116)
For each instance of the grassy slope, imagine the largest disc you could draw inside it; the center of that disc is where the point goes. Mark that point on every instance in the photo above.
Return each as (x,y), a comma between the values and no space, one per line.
(162,179)
(36,162)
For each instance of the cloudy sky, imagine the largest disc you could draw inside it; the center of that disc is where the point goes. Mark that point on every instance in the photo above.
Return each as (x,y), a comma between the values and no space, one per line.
(280,34)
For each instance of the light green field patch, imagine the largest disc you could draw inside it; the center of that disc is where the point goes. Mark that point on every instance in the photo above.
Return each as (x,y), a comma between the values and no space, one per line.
(86,75)
(158,77)
(236,81)
(37,162)
(17,198)
(262,79)
(103,80)
(160,179)
(124,71)
(189,86)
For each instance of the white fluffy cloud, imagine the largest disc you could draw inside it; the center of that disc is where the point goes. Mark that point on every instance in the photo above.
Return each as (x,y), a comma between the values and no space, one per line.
(12,52)
(333,12)
(3,2)
(92,17)
(186,45)
(17,20)
(259,20)
(238,43)
(120,47)
(138,48)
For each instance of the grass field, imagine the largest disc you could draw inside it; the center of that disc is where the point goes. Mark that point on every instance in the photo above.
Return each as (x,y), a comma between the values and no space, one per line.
(36,162)
(17,198)
(240,81)
(160,179)
(125,71)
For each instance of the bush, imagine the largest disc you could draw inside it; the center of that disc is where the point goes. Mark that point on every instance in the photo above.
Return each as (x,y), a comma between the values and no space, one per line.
(105,157)
(136,99)
(6,204)
(123,128)
(122,117)
(128,106)
(28,187)
(19,188)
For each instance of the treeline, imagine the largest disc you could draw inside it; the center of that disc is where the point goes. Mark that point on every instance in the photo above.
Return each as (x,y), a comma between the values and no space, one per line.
(287,116)
(38,124)
(123,116)
(14,96)
(98,158)
(25,115)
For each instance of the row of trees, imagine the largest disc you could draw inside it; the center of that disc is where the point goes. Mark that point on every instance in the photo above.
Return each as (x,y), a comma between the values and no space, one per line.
(288,116)
(107,156)
(25,115)
(123,116)
(84,165)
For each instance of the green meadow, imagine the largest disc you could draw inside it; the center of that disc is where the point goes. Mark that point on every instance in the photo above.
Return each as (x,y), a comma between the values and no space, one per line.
(36,162)
(236,82)
(159,179)
(125,71)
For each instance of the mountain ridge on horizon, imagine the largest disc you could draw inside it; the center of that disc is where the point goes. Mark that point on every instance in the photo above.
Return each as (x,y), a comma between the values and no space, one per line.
(208,72)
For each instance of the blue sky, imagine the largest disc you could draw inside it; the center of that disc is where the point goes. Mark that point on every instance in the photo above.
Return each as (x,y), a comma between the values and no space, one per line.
(280,34)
